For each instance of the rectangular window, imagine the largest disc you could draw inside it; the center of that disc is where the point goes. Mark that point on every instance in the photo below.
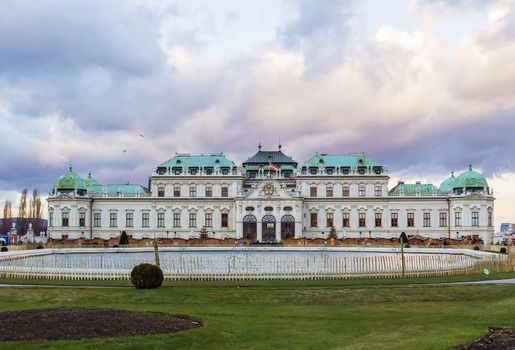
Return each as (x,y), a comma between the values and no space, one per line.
(209,191)
(193,191)
(329,191)
(51,219)
(427,219)
(82,219)
(160,219)
(411,220)
(475,218)
(490,218)
(378,220)
(313,191)
(129,220)
(208,220)
(329,219)
(176,219)
(161,191)
(97,220)
(346,220)
(145,221)
(362,220)
(225,191)
(361,190)
(443,219)
(457,219)
(193,219)
(314,219)
(378,191)
(345,191)
(113,220)
(65,219)
(395,219)
(225,220)
(176,191)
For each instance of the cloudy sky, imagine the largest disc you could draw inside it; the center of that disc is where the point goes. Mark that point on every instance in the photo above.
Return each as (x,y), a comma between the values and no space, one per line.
(423,86)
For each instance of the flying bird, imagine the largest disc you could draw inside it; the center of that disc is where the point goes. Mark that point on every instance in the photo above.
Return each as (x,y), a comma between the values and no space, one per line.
(125,151)
(140,135)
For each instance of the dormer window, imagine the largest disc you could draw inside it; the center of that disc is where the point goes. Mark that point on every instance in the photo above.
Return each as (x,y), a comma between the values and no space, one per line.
(217,161)
(225,171)
(178,161)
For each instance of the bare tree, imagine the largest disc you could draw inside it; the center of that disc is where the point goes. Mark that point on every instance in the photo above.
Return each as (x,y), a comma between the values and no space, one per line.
(35,211)
(22,213)
(7,218)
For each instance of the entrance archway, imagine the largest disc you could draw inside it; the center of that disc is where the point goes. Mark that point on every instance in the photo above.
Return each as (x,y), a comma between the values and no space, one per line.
(287,227)
(268,228)
(250,227)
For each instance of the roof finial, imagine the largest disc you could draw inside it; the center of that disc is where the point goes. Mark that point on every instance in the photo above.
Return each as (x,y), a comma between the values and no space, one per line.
(470,167)
(280,146)
(259,146)
(70,165)
(89,175)
(452,173)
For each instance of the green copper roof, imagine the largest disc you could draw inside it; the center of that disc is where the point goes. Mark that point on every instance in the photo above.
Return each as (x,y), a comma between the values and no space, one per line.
(347,160)
(470,179)
(70,181)
(91,183)
(264,157)
(193,161)
(119,188)
(447,184)
(413,188)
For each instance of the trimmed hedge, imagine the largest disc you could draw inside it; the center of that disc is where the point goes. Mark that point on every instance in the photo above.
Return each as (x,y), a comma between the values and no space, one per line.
(147,276)
(4,249)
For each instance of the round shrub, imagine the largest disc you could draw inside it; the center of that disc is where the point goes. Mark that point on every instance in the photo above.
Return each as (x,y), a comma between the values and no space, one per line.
(4,249)
(476,247)
(146,276)
(39,247)
(407,246)
(503,250)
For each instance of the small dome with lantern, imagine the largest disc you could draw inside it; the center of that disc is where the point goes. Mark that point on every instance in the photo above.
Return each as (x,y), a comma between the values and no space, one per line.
(70,182)
(470,181)
(447,184)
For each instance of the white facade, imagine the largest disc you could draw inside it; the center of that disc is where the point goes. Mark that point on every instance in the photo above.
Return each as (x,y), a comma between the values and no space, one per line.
(268,207)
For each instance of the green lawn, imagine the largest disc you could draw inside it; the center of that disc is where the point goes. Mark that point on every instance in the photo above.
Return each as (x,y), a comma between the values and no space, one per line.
(355,314)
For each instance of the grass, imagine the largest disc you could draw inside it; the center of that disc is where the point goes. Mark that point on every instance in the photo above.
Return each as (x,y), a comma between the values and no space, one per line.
(350,283)
(334,314)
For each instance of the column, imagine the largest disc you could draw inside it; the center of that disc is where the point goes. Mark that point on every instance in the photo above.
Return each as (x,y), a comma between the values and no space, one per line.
(259,228)
(278,231)
(298,229)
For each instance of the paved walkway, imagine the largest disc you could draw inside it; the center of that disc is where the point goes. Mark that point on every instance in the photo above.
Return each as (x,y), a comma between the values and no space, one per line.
(503,281)
(56,286)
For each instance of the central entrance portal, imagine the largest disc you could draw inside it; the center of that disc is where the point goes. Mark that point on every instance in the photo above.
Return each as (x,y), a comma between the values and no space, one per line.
(268,228)
(250,227)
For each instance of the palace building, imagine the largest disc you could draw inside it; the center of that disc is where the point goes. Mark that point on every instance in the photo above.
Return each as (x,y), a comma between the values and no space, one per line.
(270,198)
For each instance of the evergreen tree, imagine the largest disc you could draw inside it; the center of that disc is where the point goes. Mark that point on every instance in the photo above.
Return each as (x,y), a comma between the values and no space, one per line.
(332,233)
(124,239)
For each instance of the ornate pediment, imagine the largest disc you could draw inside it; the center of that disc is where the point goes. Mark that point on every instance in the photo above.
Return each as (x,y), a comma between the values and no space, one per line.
(475,196)
(64,196)
(269,189)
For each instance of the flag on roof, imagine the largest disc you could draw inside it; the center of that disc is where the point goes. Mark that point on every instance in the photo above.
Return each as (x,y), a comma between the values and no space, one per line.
(273,167)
